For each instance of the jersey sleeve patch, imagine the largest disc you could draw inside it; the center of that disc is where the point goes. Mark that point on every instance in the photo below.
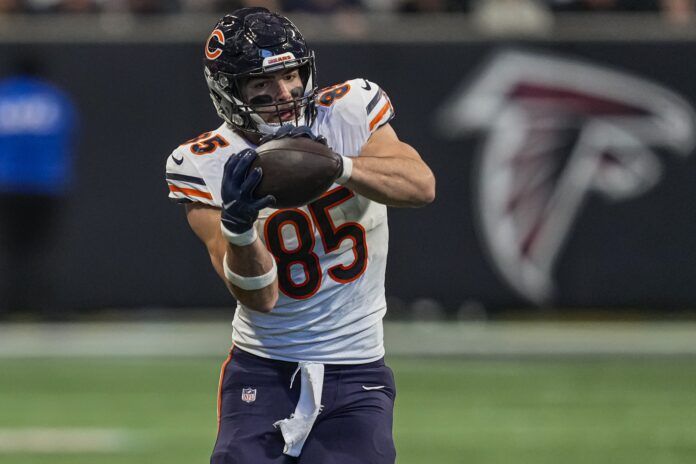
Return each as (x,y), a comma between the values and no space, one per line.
(184,182)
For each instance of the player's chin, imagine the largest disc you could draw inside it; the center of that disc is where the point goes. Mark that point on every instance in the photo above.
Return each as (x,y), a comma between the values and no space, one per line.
(288,115)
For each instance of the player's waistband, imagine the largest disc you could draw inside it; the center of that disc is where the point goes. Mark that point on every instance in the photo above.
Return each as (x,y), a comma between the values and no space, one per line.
(243,358)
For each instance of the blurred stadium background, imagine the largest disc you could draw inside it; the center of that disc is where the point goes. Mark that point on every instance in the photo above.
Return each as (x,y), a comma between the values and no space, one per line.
(540,311)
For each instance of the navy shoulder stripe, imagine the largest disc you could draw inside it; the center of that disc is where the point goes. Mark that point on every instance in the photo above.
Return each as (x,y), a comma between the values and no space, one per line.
(185,178)
(374,101)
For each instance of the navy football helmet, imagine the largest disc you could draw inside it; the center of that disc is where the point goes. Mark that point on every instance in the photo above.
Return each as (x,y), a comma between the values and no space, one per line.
(249,43)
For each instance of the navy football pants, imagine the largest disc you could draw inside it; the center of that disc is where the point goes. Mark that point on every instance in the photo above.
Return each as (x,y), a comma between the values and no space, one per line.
(355,426)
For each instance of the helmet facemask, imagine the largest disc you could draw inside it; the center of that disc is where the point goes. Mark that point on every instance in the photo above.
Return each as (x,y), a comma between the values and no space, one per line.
(226,93)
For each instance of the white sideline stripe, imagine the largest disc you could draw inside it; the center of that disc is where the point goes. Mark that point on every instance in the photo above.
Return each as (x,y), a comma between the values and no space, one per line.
(62,440)
(114,339)
(177,339)
(544,339)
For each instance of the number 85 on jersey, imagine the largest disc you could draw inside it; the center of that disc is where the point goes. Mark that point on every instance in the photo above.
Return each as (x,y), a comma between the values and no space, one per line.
(300,267)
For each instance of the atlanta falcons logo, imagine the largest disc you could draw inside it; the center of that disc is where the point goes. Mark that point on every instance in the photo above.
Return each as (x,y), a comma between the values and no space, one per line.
(557,131)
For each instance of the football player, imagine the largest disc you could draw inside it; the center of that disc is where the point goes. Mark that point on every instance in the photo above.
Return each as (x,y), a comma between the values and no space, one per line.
(305,381)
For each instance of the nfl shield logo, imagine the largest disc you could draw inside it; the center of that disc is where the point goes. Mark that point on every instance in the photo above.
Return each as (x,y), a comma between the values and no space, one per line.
(248,395)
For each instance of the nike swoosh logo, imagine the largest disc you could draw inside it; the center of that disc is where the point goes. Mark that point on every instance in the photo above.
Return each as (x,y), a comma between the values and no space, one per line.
(367,85)
(178,160)
(378,387)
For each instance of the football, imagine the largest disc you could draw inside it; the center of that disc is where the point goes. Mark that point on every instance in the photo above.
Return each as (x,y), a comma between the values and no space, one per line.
(296,171)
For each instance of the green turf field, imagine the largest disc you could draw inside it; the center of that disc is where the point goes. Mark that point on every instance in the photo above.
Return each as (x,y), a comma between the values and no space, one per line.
(162,411)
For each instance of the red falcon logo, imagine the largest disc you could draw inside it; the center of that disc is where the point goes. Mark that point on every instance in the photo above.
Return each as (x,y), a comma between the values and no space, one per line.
(558,129)
(212,50)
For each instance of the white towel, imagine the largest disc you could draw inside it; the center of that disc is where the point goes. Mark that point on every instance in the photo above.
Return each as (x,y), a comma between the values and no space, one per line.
(296,428)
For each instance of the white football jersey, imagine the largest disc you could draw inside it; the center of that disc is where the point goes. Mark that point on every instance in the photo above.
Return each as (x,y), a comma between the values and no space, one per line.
(331,254)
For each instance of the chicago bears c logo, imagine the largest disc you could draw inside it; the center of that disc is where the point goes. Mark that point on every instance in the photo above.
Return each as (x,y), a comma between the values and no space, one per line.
(213,51)
(558,130)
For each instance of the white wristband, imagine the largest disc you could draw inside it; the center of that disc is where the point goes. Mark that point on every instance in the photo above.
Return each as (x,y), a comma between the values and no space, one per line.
(347,170)
(250,283)
(243,239)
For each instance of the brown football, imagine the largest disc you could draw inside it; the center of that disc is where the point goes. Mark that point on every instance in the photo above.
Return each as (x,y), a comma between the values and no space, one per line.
(296,171)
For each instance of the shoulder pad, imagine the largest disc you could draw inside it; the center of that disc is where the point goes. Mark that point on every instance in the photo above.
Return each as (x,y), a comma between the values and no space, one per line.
(358,102)
(184,179)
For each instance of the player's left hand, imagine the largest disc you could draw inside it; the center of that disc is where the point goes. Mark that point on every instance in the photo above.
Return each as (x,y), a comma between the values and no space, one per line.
(240,208)
(291,131)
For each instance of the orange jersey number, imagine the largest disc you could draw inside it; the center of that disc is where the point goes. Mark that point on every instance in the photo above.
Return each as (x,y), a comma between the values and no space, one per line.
(327,97)
(205,143)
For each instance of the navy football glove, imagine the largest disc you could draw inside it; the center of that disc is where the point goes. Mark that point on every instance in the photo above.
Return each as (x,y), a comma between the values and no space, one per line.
(288,130)
(240,208)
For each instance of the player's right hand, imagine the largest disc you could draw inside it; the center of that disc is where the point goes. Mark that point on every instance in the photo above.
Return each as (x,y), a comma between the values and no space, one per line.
(240,208)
